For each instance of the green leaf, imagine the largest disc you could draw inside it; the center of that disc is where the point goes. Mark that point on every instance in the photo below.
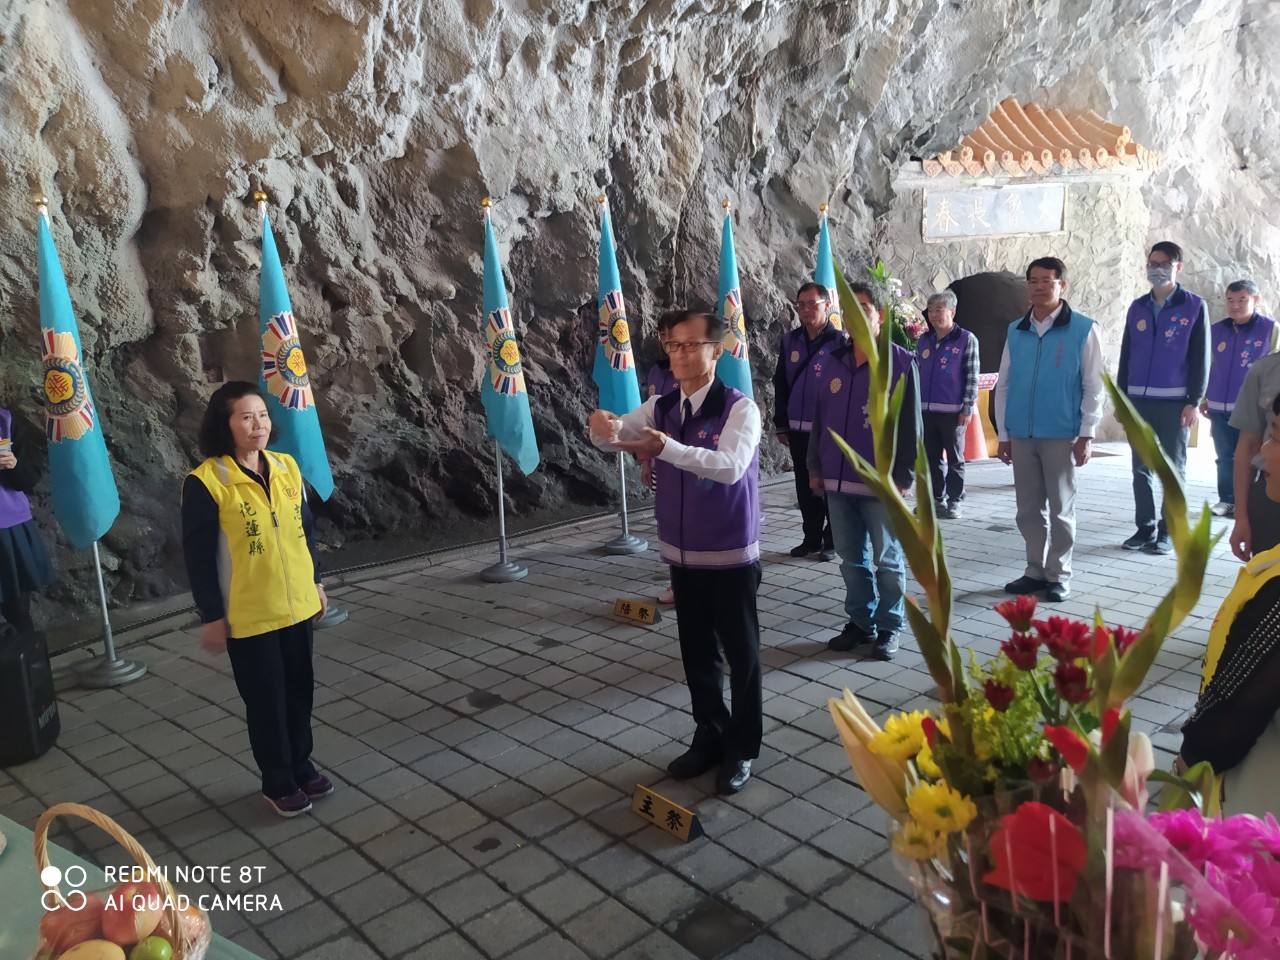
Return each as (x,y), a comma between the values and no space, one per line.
(1114,754)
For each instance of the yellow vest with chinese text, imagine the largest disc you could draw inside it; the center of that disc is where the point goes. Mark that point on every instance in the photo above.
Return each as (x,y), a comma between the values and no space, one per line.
(264,568)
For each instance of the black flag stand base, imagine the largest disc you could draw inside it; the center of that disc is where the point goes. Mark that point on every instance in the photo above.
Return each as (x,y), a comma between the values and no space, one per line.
(504,571)
(625,542)
(108,670)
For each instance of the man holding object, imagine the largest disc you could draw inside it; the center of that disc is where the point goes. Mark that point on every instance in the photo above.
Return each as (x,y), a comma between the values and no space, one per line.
(704,440)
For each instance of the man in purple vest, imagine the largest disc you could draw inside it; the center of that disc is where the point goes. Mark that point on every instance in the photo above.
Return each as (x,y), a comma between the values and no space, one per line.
(704,439)
(1164,369)
(859,521)
(947,359)
(1236,344)
(792,402)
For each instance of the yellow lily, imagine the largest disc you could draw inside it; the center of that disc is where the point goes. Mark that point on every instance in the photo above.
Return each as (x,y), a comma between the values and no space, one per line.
(882,777)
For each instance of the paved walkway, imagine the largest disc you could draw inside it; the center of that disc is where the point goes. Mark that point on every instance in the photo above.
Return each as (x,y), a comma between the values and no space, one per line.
(486,740)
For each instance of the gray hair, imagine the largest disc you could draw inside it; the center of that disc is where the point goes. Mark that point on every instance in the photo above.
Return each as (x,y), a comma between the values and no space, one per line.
(1243,286)
(945,297)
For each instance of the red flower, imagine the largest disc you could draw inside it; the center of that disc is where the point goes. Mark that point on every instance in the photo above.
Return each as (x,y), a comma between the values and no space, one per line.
(1124,638)
(1021,649)
(1073,747)
(1040,770)
(1110,720)
(1050,854)
(998,695)
(930,728)
(1018,612)
(1065,639)
(1072,683)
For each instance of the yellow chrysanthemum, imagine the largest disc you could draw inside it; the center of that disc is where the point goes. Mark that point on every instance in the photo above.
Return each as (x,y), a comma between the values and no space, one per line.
(901,738)
(916,843)
(937,807)
(927,765)
(944,727)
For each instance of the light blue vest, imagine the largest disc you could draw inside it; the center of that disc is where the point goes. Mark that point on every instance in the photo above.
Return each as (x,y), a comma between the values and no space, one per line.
(1045,382)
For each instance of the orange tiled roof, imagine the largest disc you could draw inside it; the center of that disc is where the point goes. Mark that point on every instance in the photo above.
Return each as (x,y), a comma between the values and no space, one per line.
(1018,141)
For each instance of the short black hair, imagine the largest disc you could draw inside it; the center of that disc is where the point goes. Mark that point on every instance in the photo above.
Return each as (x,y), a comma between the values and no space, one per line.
(1048,263)
(1169,249)
(716,326)
(1275,405)
(1243,286)
(815,286)
(215,430)
(874,295)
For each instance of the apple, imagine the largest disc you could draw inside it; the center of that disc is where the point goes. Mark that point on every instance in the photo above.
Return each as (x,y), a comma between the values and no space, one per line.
(94,950)
(132,913)
(152,948)
(63,927)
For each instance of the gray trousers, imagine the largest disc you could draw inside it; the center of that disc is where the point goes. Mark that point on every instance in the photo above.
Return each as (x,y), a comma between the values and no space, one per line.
(1044,475)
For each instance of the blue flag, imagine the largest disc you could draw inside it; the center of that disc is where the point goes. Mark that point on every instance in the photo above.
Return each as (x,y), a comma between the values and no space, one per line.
(615,366)
(733,367)
(825,273)
(284,377)
(85,499)
(506,403)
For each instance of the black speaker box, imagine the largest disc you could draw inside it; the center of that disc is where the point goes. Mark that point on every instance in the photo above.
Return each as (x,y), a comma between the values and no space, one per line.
(28,704)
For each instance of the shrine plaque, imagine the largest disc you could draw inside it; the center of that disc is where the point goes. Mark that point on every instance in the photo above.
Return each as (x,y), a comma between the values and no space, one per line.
(1018,209)
(641,611)
(681,822)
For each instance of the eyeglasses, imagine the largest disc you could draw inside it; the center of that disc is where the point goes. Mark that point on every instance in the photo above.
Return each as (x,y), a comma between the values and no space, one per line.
(1157,264)
(677,346)
(802,304)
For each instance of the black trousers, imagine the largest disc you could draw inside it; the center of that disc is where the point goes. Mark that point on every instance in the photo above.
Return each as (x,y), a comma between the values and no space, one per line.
(716,609)
(17,611)
(813,506)
(273,674)
(1165,417)
(942,434)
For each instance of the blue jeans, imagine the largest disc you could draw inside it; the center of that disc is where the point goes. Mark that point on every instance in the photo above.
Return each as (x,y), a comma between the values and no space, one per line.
(860,528)
(1224,445)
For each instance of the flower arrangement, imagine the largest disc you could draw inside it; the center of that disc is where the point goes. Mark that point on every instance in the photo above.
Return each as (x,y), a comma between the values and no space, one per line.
(1019,805)
(902,309)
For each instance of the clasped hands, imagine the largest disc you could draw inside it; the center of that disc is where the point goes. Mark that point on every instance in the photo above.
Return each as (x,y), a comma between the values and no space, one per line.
(603,425)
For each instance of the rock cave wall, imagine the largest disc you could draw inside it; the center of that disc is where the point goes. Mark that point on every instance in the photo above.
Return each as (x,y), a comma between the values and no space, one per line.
(377,126)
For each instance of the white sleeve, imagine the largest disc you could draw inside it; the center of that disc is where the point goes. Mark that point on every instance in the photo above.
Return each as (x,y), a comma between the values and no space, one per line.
(1002,395)
(1091,377)
(729,461)
(633,424)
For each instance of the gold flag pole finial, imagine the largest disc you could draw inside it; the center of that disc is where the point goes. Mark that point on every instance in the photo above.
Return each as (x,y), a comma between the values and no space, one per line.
(725,203)
(260,198)
(822,209)
(601,200)
(485,204)
(42,205)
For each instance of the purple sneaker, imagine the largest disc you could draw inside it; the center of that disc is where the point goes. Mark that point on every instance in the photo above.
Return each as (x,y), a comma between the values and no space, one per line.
(317,787)
(291,805)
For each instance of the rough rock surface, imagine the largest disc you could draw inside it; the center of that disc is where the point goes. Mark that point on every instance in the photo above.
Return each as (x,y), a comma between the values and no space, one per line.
(377,127)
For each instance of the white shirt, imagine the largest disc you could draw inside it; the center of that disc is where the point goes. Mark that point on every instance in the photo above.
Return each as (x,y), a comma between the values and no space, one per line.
(1090,374)
(739,439)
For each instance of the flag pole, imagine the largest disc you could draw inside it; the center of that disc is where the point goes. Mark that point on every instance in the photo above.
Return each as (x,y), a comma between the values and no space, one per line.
(504,571)
(625,542)
(108,670)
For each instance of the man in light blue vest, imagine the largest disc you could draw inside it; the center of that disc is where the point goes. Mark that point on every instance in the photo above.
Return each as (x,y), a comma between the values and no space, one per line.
(1048,404)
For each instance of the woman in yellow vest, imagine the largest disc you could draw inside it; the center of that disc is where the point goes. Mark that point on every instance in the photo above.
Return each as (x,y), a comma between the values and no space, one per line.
(1236,722)
(246,534)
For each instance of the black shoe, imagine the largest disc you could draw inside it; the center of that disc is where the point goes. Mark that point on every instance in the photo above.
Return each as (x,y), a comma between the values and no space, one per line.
(1159,546)
(732,776)
(1139,541)
(1025,585)
(1057,592)
(692,763)
(848,638)
(885,647)
(828,554)
(805,549)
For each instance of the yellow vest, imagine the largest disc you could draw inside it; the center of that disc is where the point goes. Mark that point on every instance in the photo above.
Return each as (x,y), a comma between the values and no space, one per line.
(1251,578)
(265,570)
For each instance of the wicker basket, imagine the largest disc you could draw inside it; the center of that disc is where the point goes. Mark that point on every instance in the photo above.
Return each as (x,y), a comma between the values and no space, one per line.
(188,931)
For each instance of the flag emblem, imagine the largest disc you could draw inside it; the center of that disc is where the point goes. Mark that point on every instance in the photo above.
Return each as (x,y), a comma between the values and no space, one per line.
(736,338)
(504,354)
(833,312)
(615,333)
(284,369)
(68,411)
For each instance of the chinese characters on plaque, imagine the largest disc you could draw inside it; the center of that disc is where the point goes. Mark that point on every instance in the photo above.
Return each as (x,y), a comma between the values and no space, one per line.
(681,822)
(994,211)
(641,611)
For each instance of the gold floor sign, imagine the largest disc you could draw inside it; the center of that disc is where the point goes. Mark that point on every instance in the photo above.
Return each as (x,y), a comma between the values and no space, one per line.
(642,611)
(678,821)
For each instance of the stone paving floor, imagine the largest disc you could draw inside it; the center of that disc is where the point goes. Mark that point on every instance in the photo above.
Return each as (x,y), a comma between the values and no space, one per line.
(486,740)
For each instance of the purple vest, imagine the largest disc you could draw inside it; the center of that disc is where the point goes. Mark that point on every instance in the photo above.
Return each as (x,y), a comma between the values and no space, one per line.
(14,508)
(942,370)
(704,525)
(842,401)
(798,353)
(1234,350)
(661,381)
(1158,345)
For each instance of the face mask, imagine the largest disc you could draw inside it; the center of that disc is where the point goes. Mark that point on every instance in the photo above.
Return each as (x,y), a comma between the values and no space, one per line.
(1160,276)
